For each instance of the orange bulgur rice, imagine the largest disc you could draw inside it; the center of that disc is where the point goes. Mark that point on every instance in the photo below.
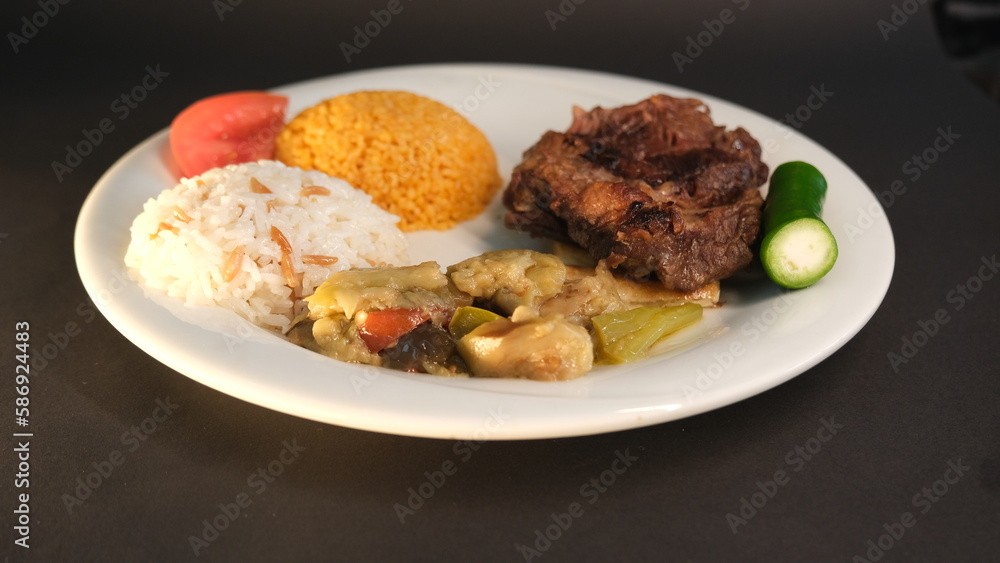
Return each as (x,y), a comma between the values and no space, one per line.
(416,157)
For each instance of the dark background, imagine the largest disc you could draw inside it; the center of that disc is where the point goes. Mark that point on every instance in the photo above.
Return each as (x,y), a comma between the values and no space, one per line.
(893,89)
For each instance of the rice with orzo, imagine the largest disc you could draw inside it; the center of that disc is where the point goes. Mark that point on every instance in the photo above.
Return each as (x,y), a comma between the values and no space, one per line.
(255,238)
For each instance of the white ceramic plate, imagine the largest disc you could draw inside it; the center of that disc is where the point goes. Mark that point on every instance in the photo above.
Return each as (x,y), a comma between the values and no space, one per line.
(759,339)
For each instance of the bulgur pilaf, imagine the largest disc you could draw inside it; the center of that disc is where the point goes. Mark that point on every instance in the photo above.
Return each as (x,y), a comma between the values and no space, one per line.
(416,157)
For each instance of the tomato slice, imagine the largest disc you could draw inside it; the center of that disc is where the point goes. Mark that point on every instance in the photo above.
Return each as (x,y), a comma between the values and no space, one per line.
(381,329)
(227,129)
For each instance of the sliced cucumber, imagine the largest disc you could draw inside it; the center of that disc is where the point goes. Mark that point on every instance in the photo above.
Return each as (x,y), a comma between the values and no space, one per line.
(798,248)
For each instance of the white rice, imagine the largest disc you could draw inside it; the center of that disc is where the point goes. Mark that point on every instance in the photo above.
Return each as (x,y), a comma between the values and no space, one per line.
(187,259)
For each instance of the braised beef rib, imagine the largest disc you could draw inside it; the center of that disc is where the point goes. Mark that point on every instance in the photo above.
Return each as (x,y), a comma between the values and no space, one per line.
(654,189)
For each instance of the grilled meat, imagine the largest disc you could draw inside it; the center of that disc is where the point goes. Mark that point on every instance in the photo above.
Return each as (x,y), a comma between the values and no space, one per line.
(654,189)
